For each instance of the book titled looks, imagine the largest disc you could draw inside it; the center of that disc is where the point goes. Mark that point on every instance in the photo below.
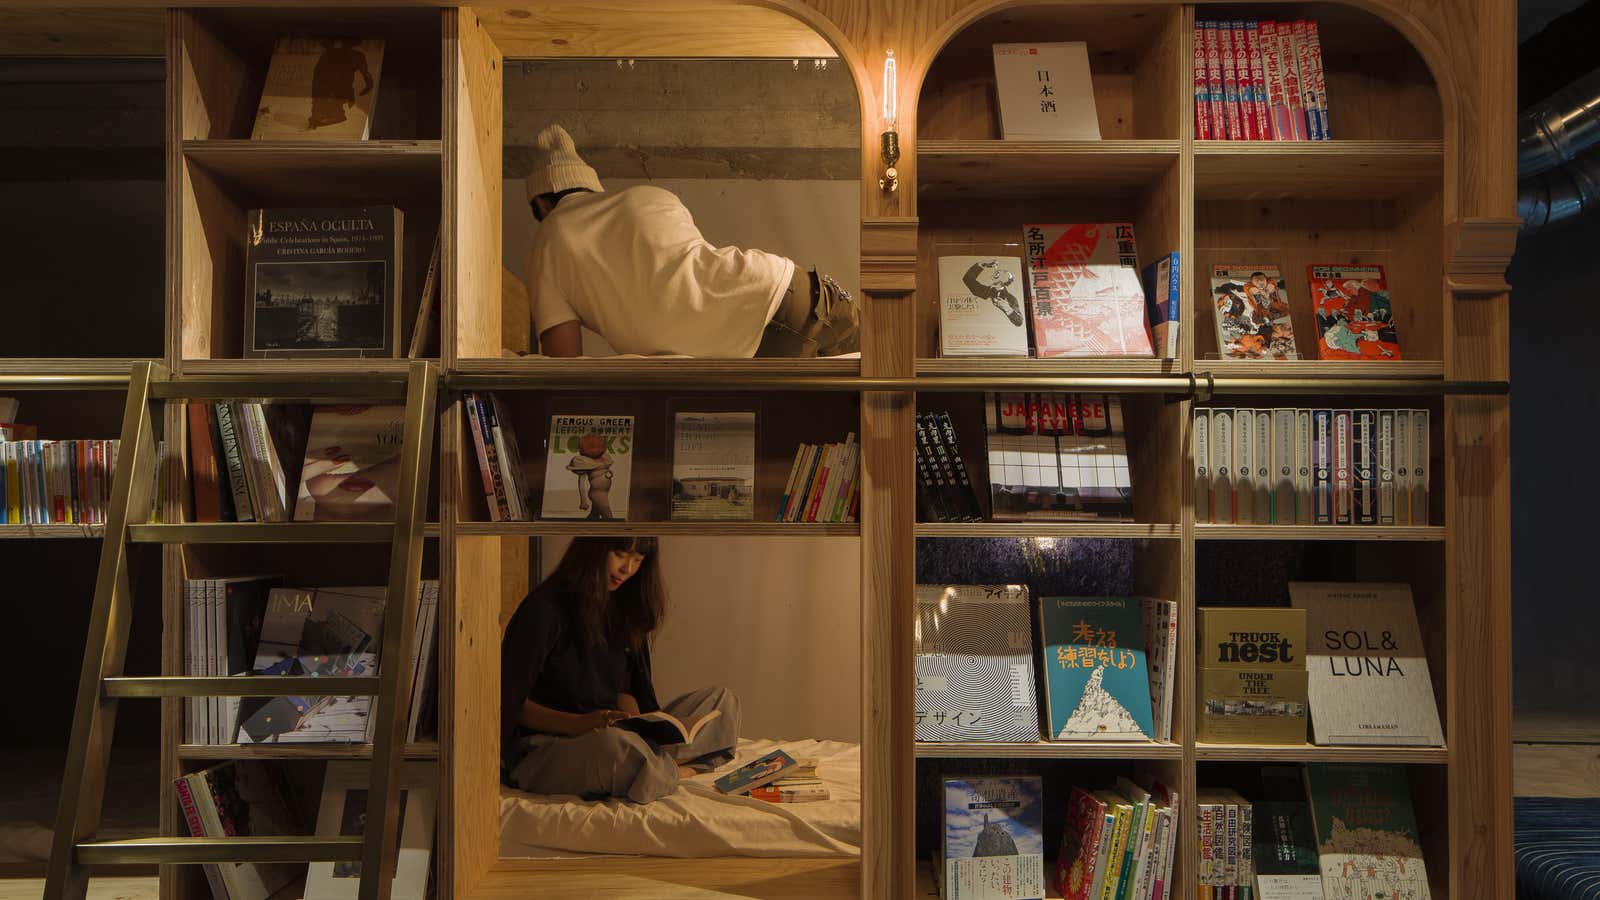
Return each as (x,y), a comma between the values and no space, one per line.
(1085,295)
(588,467)
(1355,317)
(1045,92)
(319,89)
(982,309)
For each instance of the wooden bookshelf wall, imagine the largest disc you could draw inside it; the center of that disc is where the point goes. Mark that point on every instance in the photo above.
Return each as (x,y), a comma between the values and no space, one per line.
(1418,181)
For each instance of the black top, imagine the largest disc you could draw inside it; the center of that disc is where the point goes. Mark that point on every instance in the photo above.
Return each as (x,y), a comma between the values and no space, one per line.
(544,658)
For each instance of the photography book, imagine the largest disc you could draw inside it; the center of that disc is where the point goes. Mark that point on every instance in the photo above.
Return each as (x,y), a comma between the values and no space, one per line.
(1084,290)
(351,471)
(756,773)
(713,465)
(1355,317)
(974,664)
(664,728)
(993,844)
(1251,312)
(1045,92)
(323,282)
(1057,456)
(982,306)
(1252,684)
(319,88)
(588,467)
(1096,684)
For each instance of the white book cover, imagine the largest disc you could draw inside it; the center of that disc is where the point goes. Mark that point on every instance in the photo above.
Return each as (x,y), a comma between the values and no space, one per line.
(1368,672)
(1343,498)
(1045,91)
(982,310)
(319,89)
(974,664)
(1201,438)
(588,468)
(1263,460)
(1283,477)
(343,811)
(1419,467)
(1402,467)
(1161,651)
(1244,465)
(1302,467)
(713,465)
(1385,467)
(1222,466)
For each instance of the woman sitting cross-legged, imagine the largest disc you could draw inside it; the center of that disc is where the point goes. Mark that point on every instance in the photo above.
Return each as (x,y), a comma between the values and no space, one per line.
(575,660)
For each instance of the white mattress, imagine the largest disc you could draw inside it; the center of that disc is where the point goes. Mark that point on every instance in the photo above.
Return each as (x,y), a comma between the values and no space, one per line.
(695,820)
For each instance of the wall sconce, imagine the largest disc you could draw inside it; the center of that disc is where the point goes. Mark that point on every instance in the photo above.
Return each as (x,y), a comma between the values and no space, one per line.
(890,144)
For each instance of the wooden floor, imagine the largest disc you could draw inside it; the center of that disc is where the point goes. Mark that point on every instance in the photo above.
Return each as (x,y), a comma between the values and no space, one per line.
(674,879)
(137,888)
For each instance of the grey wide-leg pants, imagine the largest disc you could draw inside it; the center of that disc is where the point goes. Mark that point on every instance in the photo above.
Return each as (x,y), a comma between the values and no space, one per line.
(611,762)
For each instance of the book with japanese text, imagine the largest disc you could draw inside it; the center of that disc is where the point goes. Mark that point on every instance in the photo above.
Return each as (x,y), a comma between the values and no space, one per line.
(1045,92)
(974,664)
(982,306)
(1251,312)
(1367,839)
(1097,685)
(993,843)
(1084,290)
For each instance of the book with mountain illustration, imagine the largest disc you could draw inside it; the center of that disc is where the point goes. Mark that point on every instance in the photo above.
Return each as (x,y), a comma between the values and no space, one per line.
(1355,317)
(588,467)
(1097,687)
(993,845)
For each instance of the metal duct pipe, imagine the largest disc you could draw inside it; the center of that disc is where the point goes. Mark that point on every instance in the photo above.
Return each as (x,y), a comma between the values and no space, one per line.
(1558,129)
(1559,194)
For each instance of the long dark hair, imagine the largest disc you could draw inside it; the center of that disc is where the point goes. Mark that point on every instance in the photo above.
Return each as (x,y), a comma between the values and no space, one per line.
(625,618)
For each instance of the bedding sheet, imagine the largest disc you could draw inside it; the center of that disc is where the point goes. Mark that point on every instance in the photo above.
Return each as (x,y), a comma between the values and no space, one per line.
(695,820)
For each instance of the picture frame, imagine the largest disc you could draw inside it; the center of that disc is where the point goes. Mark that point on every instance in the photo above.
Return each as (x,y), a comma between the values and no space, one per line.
(342,811)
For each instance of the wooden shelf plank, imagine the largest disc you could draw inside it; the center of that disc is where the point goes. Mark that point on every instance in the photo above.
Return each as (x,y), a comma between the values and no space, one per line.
(50,532)
(1317,368)
(57,365)
(282,167)
(530,371)
(418,750)
(1319,532)
(335,368)
(265,532)
(1242,170)
(957,169)
(1124,530)
(1089,368)
(681,529)
(1313,753)
(1049,750)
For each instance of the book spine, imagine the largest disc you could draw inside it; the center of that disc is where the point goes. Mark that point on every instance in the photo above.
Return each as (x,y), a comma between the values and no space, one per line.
(1128,880)
(1263,460)
(1247,93)
(938,491)
(1292,89)
(1272,75)
(1200,441)
(812,468)
(969,493)
(1322,467)
(1230,837)
(1230,82)
(1419,467)
(1364,466)
(469,401)
(788,486)
(1319,86)
(1222,508)
(202,466)
(1169,671)
(1402,467)
(1219,97)
(1283,433)
(837,462)
(1343,496)
(945,463)
(501,502)
(191,658)
(79,481)
(814,496)
(1205,869)
(1247,866)
(1119,847)
(1302,467)
(1174,305)
(852,468)
(1244,466)
(1258,82)
(238,485)
(1202,89)
(1303,92)
(216,652)
(191,819)
(507,466)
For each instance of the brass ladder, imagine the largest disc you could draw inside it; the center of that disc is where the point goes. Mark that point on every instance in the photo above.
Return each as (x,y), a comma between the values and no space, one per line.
(102,682)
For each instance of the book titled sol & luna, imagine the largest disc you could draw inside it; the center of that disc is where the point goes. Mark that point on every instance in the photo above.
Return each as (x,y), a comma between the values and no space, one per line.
(589,463)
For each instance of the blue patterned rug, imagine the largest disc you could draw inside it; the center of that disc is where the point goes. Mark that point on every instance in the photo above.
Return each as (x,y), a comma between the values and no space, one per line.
(1558,848)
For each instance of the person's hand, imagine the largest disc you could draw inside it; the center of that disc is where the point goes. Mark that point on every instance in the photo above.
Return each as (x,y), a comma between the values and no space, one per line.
(601,718)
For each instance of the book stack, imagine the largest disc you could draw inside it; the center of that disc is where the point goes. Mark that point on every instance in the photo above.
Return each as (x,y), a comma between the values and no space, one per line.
(800,784)
(1057,456)
(505,488)
(1259,81)
(1119,842)
(1311,466)
(824,483)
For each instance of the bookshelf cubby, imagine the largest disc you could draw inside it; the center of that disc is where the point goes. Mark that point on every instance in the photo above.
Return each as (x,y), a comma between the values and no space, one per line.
(1417,180)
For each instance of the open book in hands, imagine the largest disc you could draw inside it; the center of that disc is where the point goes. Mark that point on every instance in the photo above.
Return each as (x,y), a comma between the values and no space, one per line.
(664,728)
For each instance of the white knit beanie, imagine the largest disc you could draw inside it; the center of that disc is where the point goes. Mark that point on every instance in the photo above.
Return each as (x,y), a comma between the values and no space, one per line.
(557,166)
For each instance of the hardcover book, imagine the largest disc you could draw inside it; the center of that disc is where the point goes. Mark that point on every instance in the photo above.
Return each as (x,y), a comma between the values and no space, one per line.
(241,799)
(319,89)
(974,664)
(1369,679)
(1252,312)
(1085,295)
(1355,318)
(1162,308)
(1057,456)
(351,471)
(982,307)
(1285,852)
(1045,92)
(714,465)
(1367,840)
(323,282)
(993,845)
(588,468)
(1097,687)
(1252,678)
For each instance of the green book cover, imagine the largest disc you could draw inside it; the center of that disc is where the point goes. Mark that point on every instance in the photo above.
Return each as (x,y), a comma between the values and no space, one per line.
(1095,677)
(1367,839)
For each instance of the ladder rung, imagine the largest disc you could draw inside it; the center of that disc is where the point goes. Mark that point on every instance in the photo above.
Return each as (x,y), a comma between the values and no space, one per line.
(353,386)
(293,848)
(242,686)
(264,533)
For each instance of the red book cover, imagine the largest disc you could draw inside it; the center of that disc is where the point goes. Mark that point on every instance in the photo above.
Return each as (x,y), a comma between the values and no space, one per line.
(1301,97)
(824,468)
(1262,127)
(1272,71)
(1219,115)
(1319,84)
(1230,82)
(204,476)
(1080,845)
(1355,317)
(1202,91)
(1084,291)
(1247,90)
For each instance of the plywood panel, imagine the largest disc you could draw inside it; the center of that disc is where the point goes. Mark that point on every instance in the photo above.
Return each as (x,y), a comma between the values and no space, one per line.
(473,255)
(643,28)
(78,32)
(470,701)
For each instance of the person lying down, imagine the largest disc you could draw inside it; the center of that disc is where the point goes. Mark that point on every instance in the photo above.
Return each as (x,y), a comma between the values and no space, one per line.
(575,677)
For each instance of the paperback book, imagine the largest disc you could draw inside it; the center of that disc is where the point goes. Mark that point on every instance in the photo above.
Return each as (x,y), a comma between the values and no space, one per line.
(320,88)
(1252,312)
(974,664)
(1097,687)
(1355,317)
(757,773)
(982,306)
(993,843)
(1084,289)
(1162,305)
(351,471)
(588,468)
(713,465)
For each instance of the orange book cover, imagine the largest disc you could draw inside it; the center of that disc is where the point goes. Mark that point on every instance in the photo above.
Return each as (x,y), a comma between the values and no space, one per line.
(204,476)
(1355,318)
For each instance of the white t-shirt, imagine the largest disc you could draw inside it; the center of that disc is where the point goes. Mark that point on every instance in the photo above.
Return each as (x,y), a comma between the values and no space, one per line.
(633,267)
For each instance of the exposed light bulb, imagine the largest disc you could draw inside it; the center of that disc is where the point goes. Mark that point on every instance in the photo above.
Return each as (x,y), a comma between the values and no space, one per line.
(890,92)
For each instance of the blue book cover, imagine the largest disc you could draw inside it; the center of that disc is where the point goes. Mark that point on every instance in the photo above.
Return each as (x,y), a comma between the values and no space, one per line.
(1161,304)
(994,838)
(757,773)
(1096,681)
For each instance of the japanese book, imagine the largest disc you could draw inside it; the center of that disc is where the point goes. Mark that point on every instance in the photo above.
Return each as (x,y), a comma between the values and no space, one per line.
(323,282)
(1247,95)
(1355,318)
(1285,851)
(1402,467)
(1097,687)
(342,810)
(1089,825)
(1057,456)
(1261,128)
(937,500)
(713,465)
(1244,878)
(1084,290)
(1385,464)
(1419,467)
(947,451)
(241,798)
(1045,92)
(756,773)
(974,664)
(1366,830)
(1160,619)
(1208,870)
(1322,441)
(1262,456)
(1141,832)
(1244,466)
(1200,439)
(1252,312)
(1202,89)
(588,467)
(1272,72)
(1219,96)
(1319,79)
(1308,52)
(982,308)
(1343,479)
(327,632)
(1283,466)
(1293,82)
(1369,671)
(351,470)
(1230,82)
(1230,842)
(319,89)
(1252,675)
(1162,306)
(993,838)
(1222,506)
(1108,880)
(1364,466)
